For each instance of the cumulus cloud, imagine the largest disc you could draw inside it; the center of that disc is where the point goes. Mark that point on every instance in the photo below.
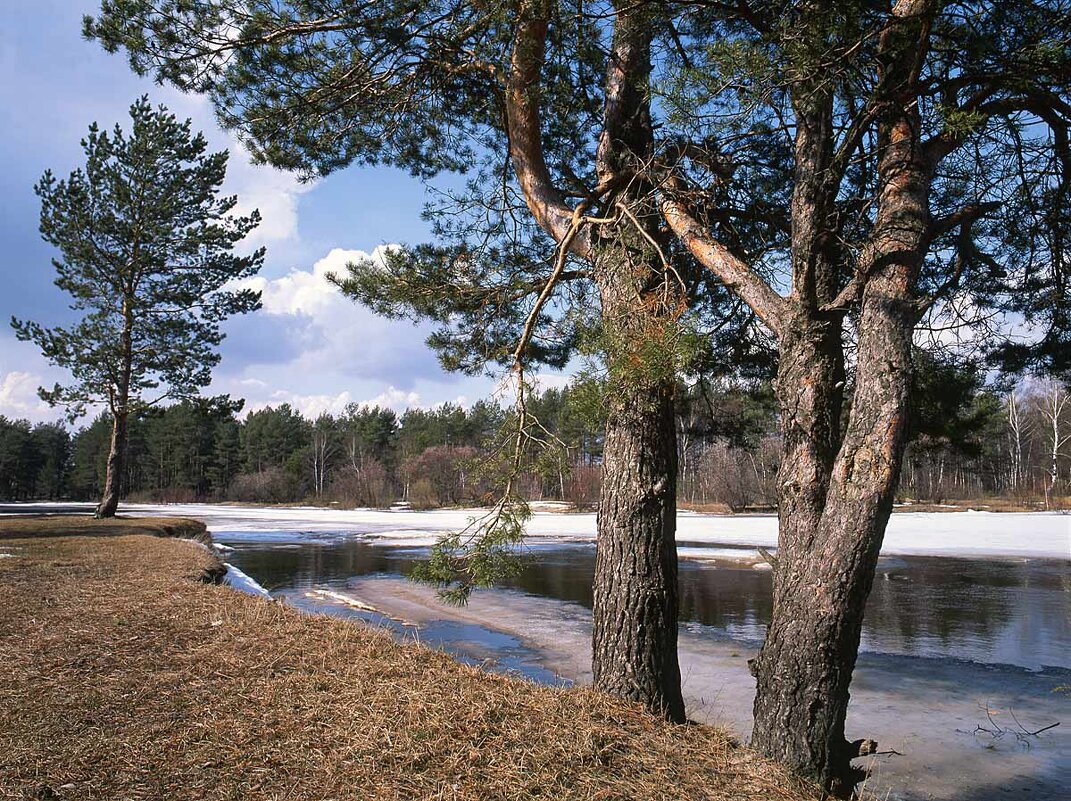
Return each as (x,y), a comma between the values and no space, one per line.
(308,292)
(303,311)
(312,406)
(272,192)
(396,399)
(19,398)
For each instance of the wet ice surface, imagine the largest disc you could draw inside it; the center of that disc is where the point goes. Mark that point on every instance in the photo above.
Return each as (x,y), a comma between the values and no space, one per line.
(1011,611)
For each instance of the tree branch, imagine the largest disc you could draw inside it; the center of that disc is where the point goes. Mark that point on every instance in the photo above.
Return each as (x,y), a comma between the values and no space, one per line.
(769,306)
(544,199)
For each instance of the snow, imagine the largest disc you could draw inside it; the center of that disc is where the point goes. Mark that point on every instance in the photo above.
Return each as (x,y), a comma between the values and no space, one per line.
(242,581)
(968,534)
(341,598)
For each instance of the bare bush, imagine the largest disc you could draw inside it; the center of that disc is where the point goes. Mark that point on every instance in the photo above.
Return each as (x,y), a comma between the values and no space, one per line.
(368,486)
(582,486)
(272,485)
(448,473)
(738,477)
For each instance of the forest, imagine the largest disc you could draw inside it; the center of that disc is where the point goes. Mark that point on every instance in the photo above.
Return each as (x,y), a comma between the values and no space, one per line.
(969,441)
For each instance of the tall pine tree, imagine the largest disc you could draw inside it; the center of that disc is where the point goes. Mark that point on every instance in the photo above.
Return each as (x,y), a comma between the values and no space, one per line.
(147,250)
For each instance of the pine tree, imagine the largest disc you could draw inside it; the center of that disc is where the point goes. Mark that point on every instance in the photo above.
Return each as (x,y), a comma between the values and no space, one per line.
(147,249)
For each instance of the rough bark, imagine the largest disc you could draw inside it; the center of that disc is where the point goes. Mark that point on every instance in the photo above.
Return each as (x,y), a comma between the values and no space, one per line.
(834,512)
(114,476)
(635,593)
(634,635)
(826,560)
(120,407)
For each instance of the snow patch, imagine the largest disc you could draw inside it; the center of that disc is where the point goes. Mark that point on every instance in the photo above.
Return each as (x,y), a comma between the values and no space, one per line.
(341,598)
(1045,535)
(244,582)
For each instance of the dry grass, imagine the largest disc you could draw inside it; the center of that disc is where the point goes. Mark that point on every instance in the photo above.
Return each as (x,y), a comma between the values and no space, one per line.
(705,508)
(995,504)
(123,677)
(24,526)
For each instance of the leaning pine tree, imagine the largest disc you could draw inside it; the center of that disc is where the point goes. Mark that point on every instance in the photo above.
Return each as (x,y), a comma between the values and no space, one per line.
(931,189)
(147,251)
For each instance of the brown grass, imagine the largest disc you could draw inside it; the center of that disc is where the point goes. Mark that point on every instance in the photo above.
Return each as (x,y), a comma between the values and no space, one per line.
(25,526)
(122,677)
(995,504)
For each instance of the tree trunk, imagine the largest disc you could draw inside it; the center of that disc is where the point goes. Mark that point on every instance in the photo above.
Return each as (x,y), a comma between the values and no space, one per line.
(635,593)
(114,477)
(120,412)
(826,564)
(827,554)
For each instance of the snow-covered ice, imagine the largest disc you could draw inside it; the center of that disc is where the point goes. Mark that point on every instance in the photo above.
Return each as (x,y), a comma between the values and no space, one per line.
(244,582)
(975,534)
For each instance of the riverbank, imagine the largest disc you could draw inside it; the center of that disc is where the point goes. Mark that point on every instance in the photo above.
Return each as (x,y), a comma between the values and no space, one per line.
(937,722)
(36,525)
(122,675)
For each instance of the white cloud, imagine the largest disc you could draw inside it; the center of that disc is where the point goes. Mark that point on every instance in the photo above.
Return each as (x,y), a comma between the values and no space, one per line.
(331,333)
(19,398)
(309,292)
(273,192)
(312,406)
(393,398)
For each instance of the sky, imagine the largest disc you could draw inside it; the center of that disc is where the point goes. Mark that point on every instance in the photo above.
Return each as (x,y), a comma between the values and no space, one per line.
(308,346)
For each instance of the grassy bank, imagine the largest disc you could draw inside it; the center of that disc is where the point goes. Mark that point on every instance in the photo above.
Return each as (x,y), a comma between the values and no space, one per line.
(124,676)
(27,526)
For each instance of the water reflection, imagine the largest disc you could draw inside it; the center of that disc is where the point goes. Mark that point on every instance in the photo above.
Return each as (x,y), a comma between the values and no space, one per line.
(999,611)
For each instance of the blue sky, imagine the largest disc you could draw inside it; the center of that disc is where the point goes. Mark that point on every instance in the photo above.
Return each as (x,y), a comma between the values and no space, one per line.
(309,346)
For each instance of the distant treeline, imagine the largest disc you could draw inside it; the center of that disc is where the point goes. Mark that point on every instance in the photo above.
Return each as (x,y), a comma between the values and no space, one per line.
(968,442)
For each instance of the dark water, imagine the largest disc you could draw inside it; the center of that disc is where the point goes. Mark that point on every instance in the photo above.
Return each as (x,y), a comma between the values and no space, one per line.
(1012,611)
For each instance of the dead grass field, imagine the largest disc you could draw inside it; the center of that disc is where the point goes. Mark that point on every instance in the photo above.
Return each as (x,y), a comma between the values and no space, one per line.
(124,677)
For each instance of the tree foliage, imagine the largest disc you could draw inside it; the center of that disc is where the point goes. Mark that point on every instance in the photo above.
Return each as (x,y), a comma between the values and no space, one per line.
(146,246)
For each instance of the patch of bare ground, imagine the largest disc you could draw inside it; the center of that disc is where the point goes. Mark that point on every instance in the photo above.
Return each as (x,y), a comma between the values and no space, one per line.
(986,505)
(123,676)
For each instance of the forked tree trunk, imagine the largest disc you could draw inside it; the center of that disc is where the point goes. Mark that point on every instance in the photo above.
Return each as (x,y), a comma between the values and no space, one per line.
(826,563)
(827,554)
(635,593)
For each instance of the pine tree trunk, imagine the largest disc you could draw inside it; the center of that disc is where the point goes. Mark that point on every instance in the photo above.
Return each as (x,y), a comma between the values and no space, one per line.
(635,592)
(826,564)
(829,542)
(114,477)
(113,480)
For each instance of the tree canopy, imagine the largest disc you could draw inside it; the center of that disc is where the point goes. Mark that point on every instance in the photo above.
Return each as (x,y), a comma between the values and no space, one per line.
(146,243)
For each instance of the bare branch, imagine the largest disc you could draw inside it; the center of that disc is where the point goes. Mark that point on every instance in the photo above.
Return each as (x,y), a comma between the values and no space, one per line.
(768,305)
